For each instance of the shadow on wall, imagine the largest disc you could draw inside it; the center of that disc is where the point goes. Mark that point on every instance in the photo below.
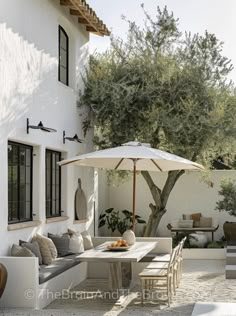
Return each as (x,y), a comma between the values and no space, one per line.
(29,79)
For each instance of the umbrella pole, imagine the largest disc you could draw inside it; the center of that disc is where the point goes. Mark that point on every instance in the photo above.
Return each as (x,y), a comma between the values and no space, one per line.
(134,193)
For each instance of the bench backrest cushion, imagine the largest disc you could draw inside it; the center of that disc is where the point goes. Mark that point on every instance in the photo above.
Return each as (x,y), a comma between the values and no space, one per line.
(205,222)
(47,248)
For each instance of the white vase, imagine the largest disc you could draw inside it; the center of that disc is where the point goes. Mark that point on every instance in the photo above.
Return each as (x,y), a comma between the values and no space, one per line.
(129,236)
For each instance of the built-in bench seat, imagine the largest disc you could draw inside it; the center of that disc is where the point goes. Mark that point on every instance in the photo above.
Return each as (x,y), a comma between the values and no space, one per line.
(57,267)
(29,286)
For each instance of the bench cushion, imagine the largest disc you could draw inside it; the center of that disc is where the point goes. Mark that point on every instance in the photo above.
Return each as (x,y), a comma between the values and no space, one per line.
(58,266)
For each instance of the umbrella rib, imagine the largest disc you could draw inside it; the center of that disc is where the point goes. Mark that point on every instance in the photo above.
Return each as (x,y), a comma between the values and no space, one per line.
(69,162)
(199,167)
(119,163)
(156,165)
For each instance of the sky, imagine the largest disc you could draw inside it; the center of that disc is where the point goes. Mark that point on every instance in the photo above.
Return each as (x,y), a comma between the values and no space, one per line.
(196,16)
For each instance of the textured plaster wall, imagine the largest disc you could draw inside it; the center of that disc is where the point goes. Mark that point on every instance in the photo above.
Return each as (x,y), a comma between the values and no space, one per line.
(190,194)
(30,89)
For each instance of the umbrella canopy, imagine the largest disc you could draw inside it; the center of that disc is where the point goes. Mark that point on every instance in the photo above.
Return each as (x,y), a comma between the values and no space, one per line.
(133,156)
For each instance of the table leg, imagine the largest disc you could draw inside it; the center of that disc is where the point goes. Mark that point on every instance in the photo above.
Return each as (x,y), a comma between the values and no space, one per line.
(115,276)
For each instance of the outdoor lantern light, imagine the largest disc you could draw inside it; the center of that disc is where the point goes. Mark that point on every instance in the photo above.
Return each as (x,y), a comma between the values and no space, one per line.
(39,126)
(72,139)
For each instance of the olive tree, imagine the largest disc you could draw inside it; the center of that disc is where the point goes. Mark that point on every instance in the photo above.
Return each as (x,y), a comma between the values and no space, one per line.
(165,88)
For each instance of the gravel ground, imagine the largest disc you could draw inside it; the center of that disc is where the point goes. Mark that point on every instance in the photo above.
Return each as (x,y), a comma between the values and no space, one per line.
(203,281)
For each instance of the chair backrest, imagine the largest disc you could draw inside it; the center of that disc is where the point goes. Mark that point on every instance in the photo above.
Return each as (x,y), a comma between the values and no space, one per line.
(173,257)
(182,245)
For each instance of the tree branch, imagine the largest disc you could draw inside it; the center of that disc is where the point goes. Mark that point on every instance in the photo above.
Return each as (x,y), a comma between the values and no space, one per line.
(172,178)
(155,191)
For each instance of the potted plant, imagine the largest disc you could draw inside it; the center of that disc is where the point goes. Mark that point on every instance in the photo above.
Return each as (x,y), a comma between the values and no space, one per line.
(118,220)
(228,203)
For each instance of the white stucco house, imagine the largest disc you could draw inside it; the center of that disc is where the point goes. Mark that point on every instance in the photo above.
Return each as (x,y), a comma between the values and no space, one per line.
(44,47)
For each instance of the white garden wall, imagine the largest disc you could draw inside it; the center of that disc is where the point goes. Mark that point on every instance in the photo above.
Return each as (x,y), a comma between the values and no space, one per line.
(30,89)
(190,194)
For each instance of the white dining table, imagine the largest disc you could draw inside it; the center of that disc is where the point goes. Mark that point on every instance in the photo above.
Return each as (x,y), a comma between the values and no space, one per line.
(115,258)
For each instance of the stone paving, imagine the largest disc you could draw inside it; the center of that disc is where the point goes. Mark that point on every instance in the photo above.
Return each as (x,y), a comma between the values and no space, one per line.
(203,280)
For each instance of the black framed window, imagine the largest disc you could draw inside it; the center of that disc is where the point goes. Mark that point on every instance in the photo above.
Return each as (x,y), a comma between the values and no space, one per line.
(63,67)
(53,184)
(20,164)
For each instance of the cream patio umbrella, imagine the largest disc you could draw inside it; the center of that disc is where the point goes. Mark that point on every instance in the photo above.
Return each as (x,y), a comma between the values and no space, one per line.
(133,156)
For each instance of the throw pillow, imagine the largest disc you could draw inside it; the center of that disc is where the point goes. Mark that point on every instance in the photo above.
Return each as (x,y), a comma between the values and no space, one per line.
(76,243)
(47,248)
(186,223)
(205,222)
(196,219)
(87,239)
(72,232)
(34,247)
(61,243)
(18,251)
(187,216)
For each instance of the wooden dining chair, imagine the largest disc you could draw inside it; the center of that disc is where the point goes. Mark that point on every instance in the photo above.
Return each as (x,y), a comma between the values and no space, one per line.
(179,262)
(159,278)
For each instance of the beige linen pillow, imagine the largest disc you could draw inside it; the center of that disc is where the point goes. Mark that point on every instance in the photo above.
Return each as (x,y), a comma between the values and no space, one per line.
(205,222)
(196,219)
(186,223)
(71,231)
(47,248)
(187,216)
(18,251)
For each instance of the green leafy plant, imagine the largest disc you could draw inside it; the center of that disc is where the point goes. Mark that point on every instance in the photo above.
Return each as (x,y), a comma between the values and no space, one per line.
(228,193)
(177,238)
(216,244)
(118,220)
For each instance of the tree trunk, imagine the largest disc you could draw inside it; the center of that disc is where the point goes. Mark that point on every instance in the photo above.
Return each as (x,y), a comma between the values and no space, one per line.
(160,197)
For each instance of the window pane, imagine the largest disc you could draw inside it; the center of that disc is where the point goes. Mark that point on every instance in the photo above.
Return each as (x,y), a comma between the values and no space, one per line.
(14,193)
(28,175)
(27,209)
(28,157)
(22,156)
(22,210)
(63,40)
(14,211)
(63,58)
(19,182)
(52,183)
(28,193)
(57,207)
(15,155)
(48,209)
(22,174)
(63,75)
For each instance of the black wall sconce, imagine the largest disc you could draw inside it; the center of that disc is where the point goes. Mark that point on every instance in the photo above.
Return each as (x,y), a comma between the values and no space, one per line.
(72,139)
(39,126)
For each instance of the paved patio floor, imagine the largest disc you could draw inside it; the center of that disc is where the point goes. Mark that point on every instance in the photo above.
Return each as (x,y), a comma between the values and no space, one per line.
(203,281)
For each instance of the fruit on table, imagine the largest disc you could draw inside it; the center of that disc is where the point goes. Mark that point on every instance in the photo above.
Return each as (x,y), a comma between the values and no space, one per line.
(119,243)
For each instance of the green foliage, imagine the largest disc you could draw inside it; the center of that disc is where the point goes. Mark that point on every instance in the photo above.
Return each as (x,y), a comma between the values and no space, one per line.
(228,194)
(162,87)
(165,88)
(177,238)
(118,220)
(216,244)
(211,244)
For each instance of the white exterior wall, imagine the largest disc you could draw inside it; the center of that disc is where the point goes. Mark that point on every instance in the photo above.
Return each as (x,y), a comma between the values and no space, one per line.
(190,195)
(30,89)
